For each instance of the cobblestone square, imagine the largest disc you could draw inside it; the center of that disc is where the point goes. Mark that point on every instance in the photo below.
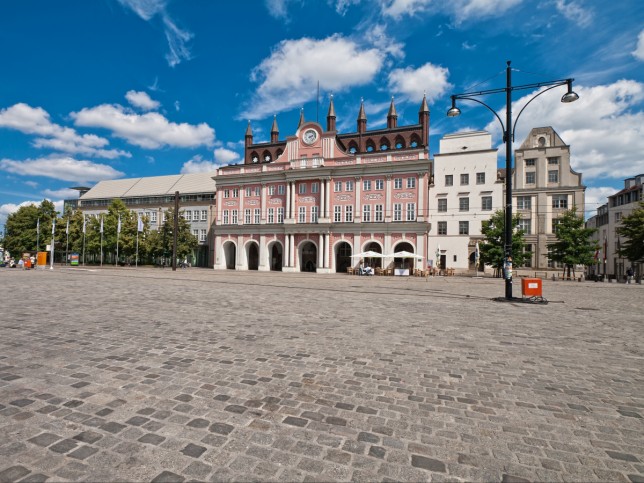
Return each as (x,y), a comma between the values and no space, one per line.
(201,375)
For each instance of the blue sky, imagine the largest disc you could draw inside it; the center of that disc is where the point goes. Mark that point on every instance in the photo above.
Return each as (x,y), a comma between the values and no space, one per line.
(104,89)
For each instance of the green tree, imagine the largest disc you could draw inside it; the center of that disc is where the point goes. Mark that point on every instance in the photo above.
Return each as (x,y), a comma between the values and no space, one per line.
(160,243)
(492,251)
(632,228)
(573,245)
(23,231)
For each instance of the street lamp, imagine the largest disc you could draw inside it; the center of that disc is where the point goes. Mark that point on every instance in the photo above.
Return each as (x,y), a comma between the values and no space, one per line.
(508,137)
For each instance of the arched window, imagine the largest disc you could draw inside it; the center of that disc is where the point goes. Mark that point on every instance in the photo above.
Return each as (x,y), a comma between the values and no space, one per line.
(266,157)
(384,144)
(278,153)
(254,157)
(370,146)
(415,141)
(399,143)
(353,147)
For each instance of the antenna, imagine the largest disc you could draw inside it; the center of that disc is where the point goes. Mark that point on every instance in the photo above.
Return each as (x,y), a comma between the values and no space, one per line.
(317,112)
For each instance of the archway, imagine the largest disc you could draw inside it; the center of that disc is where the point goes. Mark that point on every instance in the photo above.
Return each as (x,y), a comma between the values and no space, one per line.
(230,255)
(308,257)
(374,247)
(252,255)
(404,263)
(275,251)
(343,258)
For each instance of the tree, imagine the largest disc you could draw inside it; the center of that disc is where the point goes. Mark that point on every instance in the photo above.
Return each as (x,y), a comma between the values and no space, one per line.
(492,251)
(632,228)
(23,231)
(160,244)
(573,245)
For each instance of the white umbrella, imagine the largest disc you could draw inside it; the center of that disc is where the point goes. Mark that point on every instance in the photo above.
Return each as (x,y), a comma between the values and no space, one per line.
(405,254)
(438,255)
(368,254)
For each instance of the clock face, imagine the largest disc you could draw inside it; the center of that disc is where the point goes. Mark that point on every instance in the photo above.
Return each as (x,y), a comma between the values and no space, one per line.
(310,135)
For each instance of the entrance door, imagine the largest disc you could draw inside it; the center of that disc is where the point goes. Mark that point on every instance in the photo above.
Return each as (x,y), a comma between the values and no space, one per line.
(230,252)
(308,262)
(343,257)
(253,257)
(276,257)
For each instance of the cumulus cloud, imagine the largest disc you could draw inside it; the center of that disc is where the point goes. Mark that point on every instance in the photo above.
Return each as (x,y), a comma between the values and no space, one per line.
(413,83)
(61,168)
(35,120)
(595,197)
(177,38)
(142,100)
(64,193)
(288,77)
(638,53)
(9,208)
(221,157)
(604,128)
(150,130)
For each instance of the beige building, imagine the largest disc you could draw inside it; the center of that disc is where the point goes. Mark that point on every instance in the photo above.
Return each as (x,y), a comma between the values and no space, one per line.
(544,186)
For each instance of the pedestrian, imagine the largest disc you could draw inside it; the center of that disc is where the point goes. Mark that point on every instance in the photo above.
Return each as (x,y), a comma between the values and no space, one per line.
(21,264)
(629,275)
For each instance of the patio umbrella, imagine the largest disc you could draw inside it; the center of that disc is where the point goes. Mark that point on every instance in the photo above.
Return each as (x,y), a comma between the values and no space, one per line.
(438,256)
(368,254)
(404,254)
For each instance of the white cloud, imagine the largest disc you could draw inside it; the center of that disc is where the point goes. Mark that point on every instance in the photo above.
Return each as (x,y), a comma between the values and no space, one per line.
(35,120)
(32,184)
(575,12)
(9,208)
(604,128)
(150,130)
(222,157)
(458,10)
(288,78)
(595,197)
(62,168)
(342,6)
(64,193)
(142,100)
(176,37)
(277,8)
(638,53)
(413,83)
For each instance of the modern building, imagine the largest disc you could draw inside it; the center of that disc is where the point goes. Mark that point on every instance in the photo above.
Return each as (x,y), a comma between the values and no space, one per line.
(465,191)
(315,200)
(544,186)
(153,196)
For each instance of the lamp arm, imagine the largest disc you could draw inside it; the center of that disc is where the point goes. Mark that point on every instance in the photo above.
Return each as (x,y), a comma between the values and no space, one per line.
(485,105)
(527,103)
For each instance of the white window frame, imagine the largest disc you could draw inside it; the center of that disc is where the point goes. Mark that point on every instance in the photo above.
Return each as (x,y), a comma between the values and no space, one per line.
(234,215)
(301,215)
(153,217)
(314,214)
(315,187)
(202,235)
(524,202)
(187,214)
(441,228)
(442,205)
(380,184)
(530,177)
(256,216)
(397,211)
(235,192)
(226,218)
(204,215)
(410,212)
(463,227)
(271,190)
(480,178)
(348,186)
(464,204)
(247,216)
(486,203)
(271,215)
(348,213)
(226,193)
(411,182)
(525,224)
(301,188)
(337,214)
(248,191)
(397,183)
(449,180)
(337,187)
(553,176)
(280,215)
(378,215)
(465,179)
(366,213)
(281,189)
(366,185)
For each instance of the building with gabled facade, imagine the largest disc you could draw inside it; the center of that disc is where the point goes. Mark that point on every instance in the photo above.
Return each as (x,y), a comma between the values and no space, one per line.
(314,200)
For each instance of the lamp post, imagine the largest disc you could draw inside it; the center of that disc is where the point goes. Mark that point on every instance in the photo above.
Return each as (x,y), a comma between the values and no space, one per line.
(508,137)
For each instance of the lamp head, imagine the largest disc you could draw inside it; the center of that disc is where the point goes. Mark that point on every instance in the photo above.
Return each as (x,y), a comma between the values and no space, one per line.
(453,111)
(570,96)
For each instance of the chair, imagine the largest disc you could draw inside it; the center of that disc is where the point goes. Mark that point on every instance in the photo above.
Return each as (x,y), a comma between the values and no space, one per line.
(350,270)
(379,271)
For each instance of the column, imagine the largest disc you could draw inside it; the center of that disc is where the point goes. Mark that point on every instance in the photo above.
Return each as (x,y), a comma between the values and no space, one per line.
(263,205)
(287,251)
(292,208)
(287,208)
(239,252)
(220,197)
(218,253)
(292,256)
(264,264)
(420,250)
(322,199)
(320,251)
(326,250)
(357,215)
(422,212)
(327,204)
(388,204)
(240,220)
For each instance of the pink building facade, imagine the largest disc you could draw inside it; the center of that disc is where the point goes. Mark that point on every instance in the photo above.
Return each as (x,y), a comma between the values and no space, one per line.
(315,200)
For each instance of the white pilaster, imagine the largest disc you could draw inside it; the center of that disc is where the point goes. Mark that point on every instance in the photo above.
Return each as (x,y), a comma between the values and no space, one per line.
(357,214)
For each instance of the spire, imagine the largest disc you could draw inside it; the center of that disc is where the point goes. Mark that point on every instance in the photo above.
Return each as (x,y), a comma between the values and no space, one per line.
(248,138)
(423,120)
(392,117)
(330,117)
(362,118)
(275,132)
(249,131)
(423,105)
(301,118)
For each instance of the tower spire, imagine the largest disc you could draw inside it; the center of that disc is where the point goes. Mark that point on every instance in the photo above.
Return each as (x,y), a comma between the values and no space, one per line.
(330,117)
(392,117)
(301,118)
(362,118)
(275,132)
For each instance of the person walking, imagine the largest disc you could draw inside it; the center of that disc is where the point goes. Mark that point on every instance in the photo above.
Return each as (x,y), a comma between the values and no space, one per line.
(629,275)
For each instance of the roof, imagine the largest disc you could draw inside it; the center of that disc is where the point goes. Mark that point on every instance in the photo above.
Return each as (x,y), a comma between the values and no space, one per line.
(152,186)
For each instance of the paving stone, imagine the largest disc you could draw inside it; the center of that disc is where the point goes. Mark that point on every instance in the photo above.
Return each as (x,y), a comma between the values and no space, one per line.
(221,428)
(13,473)
(113,427)
(427,463)
(88,437)
(168,477)
(64,446)
(83,452)
(193,450)
(137,421)
(44,439)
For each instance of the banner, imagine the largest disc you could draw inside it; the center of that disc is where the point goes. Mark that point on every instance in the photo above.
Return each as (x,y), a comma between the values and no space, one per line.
(118,227)
(101,224)
(140,224)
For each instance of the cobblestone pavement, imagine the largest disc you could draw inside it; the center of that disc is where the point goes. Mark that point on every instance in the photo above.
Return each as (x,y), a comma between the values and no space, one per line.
(154,375)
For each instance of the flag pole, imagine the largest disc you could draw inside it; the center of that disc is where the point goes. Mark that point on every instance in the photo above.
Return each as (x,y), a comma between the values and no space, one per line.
(37,236)
(53,241)
(118,233)
(67,245)
(101,240)
(84,230)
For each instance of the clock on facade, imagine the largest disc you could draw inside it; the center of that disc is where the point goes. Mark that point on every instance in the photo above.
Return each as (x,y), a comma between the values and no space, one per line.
(310,135)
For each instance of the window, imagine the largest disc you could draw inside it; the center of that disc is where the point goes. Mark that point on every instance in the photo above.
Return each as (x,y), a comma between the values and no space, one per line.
(528,250)
(366,213)
(463,204)
(247,191)
(257,190)
(196,234)
(256,216)
(226,193)
(560,201)
(348,213)
(314,214)
(397,211)
(366,185)
(442,228)
(411,211)
(246,217)
(337,186)
(301,188)
(271,215)
(529,177)
(525,225)
(187,215)
(301,214)
(442,205)
(465,179)
(337,213)
(204,215)
(225,217)
(411,183)
(530,162)
(553,161)
(463,227)
(153,217)
(202,235)
(486,203)
(480,178)
(234,215)
(380,184)
(280,189)
(555,224)
(524,202)
(280,215)
(449,180)
(397,183)
(553,176)
(378,213)
(348,186)
(271,190)
(315,188)
(235,192)
(618,217)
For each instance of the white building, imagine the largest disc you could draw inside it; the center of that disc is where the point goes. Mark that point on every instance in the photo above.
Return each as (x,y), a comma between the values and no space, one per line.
(466,191)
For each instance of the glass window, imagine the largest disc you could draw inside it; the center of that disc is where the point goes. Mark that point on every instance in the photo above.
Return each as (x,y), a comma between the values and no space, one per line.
(271,190)
(196,234)
(397,211)
(465,179)
(449,180)
(225,217)
(480,178)
(560,201)
(314,214)
(235,192)
(315,187)
(529,177)
(258,191)
(256,216)
(280,189)
(463,227)
(153,217)
(553,161)
(337,186)
(442,205)
(188,215)
(202,235)
(555,224)
(247,191)
(337,213)
(247,217)
(442,228)
(348,213)
(411,183)
(397,183)
(348,186)
(530,162)
(226,193)
(553,176)
(280,215)
(463,204)
(271,215)
(366,213)
(301,188)
(524,202)
(486,203)
(235,219)
(204,215)
(525,225)
(378,213)
(411,211)
(366,185)
(380,184)
(301,214)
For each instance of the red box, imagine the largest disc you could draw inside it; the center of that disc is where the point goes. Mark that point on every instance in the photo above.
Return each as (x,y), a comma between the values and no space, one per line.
(531,287)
